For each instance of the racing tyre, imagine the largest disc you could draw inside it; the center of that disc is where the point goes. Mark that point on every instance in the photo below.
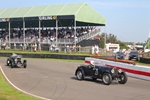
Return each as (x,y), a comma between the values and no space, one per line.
(25,63)
(8,62)
(80,75)
(123,78)
(107,79)
(12,65)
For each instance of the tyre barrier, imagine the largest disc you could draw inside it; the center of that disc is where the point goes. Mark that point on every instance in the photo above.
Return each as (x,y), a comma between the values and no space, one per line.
(137,71)
(54,56)
(145,60)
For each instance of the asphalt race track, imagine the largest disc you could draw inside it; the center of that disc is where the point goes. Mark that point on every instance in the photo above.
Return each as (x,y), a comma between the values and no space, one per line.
(55,80)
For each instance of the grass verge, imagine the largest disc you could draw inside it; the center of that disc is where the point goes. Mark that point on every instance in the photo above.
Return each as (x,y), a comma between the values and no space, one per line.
(45,52)
(144,64)
(9,93)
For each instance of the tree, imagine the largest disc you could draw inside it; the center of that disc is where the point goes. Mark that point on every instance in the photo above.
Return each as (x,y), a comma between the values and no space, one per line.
(111,38)
(102,40)
(123,45)
(102,43)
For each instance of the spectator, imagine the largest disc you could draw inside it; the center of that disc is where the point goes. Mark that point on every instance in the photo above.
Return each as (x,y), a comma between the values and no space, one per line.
(39,47)
(25,46)
(93,50)
(15,46)
(21,48)
(79,48)
(4,45)
(35,47)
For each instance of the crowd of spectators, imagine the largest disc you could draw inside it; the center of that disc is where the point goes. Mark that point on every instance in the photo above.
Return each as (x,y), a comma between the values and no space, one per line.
(32,34)
(47,35)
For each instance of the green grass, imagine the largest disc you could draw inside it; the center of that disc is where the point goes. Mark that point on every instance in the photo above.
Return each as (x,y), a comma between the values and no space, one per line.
(46,52)
(144,64)
(60,60)
(9,93)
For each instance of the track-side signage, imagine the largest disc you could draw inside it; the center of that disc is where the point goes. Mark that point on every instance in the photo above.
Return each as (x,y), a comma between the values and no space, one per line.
(47,18)
(4,19)
(28,19)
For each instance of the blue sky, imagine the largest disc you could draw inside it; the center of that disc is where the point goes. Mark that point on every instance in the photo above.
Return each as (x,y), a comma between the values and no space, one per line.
(129,20)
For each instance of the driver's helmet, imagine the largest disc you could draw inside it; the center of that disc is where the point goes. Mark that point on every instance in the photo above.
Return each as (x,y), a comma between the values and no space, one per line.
(13,54)
(92,62)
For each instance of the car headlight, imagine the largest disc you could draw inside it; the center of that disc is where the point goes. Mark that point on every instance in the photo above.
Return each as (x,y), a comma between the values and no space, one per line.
(113,71)
(119,70)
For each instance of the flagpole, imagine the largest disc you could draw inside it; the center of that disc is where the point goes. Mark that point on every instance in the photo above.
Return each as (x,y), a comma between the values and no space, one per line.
(148,39)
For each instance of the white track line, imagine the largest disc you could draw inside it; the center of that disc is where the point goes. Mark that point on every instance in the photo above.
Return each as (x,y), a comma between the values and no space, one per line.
(20,89)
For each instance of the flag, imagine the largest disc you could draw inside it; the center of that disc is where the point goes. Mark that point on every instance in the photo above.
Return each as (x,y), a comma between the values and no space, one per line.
(147,42)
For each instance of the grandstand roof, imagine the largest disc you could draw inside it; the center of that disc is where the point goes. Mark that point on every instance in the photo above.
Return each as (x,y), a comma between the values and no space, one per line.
(81,11)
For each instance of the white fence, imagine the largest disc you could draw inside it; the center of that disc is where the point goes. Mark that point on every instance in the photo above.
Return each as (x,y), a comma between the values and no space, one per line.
(137,71)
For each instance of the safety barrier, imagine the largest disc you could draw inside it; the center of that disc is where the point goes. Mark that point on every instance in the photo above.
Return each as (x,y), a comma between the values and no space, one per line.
(137,71)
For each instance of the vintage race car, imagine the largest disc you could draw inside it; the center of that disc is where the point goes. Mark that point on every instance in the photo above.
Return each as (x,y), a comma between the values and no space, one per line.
(105,73)
(16,61)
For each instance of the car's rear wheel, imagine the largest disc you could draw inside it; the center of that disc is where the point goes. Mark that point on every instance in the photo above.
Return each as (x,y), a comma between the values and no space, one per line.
(80,75)
(25,63)
(12,65)
(106,78)
(123,78)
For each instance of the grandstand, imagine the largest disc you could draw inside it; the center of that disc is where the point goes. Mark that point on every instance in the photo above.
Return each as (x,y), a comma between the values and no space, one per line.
(57,24)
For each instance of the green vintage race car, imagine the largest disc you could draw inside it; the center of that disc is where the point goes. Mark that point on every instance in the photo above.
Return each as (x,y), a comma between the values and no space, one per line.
(16,61)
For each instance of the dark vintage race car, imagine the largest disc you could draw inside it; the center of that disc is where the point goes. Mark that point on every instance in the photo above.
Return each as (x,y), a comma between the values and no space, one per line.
(105,73)
(16,61)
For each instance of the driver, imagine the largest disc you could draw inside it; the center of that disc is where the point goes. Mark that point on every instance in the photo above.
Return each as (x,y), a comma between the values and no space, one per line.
(91,64)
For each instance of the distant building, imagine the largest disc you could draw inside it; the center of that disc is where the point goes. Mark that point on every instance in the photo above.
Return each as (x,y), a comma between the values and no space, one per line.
(113,47)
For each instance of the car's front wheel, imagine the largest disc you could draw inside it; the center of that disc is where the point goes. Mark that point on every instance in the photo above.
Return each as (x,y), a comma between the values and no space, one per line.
(106,78)
(8,62)
(123,78)
(80,75)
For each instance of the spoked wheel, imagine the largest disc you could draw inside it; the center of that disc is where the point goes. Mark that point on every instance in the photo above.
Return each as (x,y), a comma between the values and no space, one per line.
(107,79)
(24,65)
(80,75)
(8,62)
(123,78)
